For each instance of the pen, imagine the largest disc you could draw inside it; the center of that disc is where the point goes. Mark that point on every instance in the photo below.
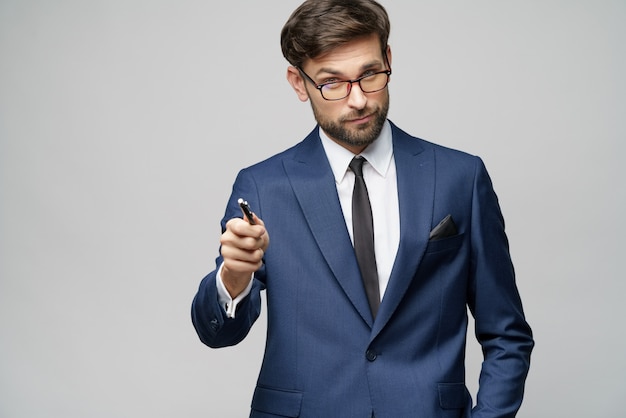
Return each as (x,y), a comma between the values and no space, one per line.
(245,208)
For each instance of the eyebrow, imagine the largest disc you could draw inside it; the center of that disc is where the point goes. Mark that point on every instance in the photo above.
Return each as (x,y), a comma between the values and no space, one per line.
(364,67)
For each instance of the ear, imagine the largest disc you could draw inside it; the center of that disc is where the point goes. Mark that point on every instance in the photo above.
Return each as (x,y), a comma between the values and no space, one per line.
(297,83)
(389,55)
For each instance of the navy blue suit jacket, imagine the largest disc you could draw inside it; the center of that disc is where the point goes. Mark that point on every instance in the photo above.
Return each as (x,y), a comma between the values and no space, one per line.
(325,356)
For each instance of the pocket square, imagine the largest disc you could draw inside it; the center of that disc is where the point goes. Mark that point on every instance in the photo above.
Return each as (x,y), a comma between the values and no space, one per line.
(445,228)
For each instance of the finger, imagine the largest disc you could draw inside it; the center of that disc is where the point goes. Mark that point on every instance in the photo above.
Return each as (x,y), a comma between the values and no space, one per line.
(241,268)
(248,261)
(257,220)
(242,261)
(242,228)
(264,236)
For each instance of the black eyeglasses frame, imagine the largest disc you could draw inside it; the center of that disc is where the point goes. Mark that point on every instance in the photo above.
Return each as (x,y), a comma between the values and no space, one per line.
(350,82)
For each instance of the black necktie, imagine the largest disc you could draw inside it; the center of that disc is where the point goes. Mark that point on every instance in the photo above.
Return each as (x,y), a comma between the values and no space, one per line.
(363,234)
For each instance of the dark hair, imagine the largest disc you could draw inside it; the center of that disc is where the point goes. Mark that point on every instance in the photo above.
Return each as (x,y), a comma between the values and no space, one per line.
(318,26)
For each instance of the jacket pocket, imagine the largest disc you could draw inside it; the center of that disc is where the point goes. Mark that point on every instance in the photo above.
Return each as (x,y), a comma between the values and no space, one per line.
(445,244)
(285,403)
(453,395)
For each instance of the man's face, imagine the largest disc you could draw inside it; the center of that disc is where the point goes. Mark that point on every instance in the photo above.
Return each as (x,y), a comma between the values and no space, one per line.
(355,121)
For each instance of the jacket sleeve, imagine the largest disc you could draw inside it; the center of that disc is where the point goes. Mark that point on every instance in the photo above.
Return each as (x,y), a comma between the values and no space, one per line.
(214,328)
(212,325)
(501,328)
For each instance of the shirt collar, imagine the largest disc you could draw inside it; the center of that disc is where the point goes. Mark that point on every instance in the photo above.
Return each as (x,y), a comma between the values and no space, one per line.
(378,154)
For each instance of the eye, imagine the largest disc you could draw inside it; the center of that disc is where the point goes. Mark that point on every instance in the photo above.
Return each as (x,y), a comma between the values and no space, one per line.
(333,85)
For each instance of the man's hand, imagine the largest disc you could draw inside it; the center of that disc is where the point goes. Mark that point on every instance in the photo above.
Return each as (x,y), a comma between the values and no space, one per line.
(243,247)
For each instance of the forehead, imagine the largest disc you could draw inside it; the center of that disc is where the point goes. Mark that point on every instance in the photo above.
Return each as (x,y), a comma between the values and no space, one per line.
(351,57)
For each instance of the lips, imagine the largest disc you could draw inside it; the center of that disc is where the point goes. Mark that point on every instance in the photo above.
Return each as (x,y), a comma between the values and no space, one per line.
(361,119)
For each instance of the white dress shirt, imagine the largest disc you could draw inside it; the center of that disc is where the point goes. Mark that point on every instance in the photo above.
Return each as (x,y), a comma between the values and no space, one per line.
(379,174)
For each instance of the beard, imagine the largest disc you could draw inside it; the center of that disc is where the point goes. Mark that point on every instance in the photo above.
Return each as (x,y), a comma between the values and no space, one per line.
(361,135)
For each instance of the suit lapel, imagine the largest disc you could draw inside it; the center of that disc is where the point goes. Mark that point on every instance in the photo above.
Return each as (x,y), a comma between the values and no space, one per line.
(313,183)
(415,168)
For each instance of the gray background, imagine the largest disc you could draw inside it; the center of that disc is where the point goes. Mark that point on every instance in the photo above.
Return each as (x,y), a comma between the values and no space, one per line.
(122,127)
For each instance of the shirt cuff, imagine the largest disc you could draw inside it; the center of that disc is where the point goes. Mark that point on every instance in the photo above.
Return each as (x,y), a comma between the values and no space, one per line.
(226,301)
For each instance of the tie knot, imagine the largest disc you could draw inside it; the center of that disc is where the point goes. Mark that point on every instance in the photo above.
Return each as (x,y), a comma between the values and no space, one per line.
(356,165)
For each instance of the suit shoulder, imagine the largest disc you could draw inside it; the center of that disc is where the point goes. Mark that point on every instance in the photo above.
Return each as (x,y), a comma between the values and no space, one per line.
(440,152)
(276,161)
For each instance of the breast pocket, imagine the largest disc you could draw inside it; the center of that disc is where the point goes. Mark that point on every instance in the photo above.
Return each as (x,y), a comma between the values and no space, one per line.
(445,244)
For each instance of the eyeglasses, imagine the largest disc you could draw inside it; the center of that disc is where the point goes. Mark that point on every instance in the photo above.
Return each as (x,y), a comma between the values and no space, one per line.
(337,90)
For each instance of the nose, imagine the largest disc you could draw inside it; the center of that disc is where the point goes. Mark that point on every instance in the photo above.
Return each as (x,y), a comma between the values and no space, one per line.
(356,98)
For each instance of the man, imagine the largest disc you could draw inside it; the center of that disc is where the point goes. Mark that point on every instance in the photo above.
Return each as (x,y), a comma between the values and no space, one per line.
(359,328)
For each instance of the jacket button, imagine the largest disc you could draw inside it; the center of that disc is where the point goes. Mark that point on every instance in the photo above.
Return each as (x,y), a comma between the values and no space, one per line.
(215,324)
(370,355)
